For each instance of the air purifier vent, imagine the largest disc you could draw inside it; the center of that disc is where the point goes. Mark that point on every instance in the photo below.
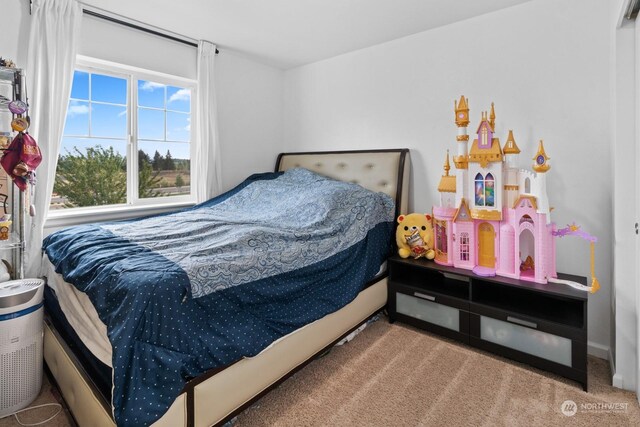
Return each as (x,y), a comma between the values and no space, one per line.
(21,318)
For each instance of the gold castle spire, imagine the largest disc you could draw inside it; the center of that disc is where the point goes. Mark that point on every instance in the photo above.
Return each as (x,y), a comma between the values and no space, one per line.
(540,160)
(447,182)
(447,166)
(462,112)
(510,147)
(492,118)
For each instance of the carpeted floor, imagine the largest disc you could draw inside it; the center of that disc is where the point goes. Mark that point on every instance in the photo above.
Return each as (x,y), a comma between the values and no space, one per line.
(395,375)
(48,394)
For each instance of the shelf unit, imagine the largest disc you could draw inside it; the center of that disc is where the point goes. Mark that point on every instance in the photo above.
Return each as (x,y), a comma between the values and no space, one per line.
(12,87)
(543,325)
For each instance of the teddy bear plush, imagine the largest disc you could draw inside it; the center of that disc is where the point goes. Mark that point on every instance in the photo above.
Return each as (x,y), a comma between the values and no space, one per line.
(414,236)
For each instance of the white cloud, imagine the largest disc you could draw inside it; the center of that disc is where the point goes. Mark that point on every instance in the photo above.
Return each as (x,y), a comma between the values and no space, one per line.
(181,95)
(77,109)
(148,86)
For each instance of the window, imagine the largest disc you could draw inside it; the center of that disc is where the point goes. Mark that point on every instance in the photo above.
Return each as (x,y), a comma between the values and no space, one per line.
(484,190)
(464,246)
(127,139)
(441,236)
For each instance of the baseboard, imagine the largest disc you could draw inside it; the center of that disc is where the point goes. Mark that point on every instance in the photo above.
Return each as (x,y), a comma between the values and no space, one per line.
(598,350)
(617,381)
(612,363)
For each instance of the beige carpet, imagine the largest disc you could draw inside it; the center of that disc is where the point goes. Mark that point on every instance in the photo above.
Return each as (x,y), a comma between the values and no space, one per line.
(395,375)
(48,394)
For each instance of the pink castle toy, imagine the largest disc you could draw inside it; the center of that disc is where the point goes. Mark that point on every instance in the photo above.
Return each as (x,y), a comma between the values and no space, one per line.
(494,218)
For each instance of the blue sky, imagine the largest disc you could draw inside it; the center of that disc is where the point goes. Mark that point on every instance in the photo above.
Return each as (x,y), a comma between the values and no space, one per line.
(106,104)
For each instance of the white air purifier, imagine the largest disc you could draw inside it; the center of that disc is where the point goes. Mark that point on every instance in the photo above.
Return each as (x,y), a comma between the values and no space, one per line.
(21,321)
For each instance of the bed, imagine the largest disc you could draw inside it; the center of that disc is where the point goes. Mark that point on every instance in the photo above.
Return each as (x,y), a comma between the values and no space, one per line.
(216,396)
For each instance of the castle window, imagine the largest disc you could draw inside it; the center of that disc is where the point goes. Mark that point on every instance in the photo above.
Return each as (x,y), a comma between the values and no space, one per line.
(479,190)
(485,190)
(464,246)
(527,185)
(489,190)
(441,236)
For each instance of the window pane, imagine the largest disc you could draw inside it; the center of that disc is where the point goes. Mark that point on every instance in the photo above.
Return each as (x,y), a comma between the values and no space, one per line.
(108,89)
(150,94)
(108,120)
(91,172)
(178,99)
(479,193)
(178,126)
(77,118)
(164,169)
(80,86)
(150,124)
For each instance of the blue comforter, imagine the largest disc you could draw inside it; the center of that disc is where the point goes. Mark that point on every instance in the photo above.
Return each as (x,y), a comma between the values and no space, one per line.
(201,288)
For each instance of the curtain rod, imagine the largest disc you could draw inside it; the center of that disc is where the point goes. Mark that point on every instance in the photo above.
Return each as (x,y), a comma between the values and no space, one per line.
(134,26)
(139,28)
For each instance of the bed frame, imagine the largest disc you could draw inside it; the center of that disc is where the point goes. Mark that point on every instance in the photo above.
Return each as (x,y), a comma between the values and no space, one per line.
(217,396)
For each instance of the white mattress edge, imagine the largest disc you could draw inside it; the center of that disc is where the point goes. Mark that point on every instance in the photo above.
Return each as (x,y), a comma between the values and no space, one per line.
(84,319)
(80,313)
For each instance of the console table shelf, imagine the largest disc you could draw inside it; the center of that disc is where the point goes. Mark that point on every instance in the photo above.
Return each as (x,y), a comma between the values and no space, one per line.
(544,325)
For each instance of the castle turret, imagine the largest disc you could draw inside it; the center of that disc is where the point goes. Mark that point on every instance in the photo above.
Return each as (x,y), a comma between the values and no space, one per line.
(541,166)
(447,186)
(510,150)
(492,118)
(541,158)
(511,189)
(461,160)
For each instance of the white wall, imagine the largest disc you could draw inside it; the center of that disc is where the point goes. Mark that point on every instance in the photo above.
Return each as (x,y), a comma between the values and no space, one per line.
(250,104)
(15,31)
(544,63)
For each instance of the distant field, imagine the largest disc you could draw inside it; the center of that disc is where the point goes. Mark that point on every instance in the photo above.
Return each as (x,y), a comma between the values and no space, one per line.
(169,178)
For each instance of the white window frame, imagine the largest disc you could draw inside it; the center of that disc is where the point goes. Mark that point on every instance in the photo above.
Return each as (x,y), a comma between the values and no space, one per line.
(134,206)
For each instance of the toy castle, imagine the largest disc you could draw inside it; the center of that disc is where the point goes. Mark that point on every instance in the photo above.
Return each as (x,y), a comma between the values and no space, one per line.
(494,218)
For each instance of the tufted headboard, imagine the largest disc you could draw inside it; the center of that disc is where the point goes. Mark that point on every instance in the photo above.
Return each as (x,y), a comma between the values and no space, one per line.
(384,171)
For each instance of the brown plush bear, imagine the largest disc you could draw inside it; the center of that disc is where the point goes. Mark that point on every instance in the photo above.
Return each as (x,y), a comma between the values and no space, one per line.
(414,236)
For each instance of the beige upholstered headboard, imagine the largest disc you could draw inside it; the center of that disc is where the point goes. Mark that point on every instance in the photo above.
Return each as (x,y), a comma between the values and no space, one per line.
(384,171)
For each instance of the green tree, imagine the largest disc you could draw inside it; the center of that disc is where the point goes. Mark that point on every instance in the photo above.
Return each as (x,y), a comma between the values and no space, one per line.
(158,161)
(179,181)
(148,179)
(143,158)
(169,165)
(93,179)
(98,177)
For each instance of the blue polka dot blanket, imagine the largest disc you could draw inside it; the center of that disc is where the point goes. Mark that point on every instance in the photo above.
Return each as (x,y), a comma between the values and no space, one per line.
(186,292)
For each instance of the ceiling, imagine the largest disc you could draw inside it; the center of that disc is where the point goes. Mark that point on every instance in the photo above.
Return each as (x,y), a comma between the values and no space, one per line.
(290,33)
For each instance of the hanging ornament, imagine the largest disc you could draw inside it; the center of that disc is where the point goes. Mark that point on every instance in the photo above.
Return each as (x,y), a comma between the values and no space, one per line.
(18,107)
(19,124)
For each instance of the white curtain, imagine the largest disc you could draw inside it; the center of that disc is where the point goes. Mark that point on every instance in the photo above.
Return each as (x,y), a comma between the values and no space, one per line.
(53,43)
(208,168)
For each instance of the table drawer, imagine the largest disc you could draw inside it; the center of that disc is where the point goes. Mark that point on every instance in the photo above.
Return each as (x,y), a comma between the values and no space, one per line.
(523,336)
(423,308)
(429,311)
